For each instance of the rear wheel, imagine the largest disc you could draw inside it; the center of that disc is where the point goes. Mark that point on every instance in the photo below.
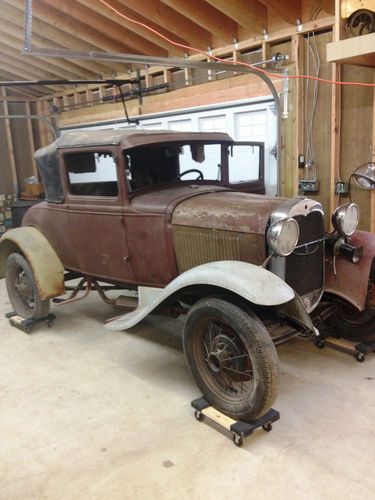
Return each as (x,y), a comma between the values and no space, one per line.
(358,326)
(22,290)
(232,358)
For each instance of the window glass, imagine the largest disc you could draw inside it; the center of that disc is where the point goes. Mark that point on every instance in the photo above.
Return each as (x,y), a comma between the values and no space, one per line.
(251,125)
(92,173)
(244,163)
(181,125)
(161,164)
(213,124)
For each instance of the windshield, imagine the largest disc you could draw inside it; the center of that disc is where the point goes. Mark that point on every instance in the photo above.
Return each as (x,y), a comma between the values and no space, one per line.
(175,162)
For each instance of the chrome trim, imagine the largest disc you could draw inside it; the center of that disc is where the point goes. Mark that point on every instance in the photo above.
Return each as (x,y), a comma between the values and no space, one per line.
(296,206)
(292,208)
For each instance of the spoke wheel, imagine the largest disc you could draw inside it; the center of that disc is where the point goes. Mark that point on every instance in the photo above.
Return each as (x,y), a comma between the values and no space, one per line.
(22,289)
(232,358)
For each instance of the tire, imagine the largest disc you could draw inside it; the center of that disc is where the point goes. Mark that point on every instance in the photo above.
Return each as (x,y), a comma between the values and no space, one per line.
(22,290)
(355,326)
(232,358)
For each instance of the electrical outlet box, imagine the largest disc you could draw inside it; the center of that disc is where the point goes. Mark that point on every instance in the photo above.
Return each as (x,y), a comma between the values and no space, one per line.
(308,186)
(341,188)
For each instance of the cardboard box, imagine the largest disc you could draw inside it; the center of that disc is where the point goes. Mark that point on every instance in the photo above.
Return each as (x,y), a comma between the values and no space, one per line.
(36,189)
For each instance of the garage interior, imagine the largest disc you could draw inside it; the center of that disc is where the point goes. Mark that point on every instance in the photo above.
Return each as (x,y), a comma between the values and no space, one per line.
(87,412)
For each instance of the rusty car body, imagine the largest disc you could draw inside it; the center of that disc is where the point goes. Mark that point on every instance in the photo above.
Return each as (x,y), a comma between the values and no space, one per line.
(181,219)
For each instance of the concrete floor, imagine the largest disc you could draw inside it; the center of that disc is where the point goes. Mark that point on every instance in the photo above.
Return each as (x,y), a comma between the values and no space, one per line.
(91,414)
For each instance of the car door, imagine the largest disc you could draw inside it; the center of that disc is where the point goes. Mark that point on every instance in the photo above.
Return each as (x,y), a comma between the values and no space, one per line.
(94,198)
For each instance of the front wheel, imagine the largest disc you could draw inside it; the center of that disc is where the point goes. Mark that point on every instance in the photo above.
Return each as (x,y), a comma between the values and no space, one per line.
(22,289)
(232,358)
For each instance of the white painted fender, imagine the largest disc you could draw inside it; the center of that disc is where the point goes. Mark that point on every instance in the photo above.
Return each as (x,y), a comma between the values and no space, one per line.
(254,283)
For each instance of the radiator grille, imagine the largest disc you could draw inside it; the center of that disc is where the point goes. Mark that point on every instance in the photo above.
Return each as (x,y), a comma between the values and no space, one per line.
(304,267)
(198,247)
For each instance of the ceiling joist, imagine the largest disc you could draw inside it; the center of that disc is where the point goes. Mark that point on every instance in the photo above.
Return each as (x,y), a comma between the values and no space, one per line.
(64,31)
(250,14)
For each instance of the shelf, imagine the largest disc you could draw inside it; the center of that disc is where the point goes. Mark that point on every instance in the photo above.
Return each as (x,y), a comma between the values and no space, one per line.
(359,50)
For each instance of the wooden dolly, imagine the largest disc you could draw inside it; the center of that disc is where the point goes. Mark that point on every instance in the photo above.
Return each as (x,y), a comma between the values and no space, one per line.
(238,430)
(26,325)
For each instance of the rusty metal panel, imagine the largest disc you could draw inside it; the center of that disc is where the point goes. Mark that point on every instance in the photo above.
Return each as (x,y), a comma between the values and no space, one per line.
(45,264)
(231,211)
(351,280)
(194,246)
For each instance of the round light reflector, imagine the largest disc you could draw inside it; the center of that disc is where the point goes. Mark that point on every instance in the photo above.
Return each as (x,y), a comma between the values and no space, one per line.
(345,219)
(282,236)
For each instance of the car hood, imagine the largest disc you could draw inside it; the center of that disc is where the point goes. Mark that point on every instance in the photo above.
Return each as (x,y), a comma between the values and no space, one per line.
(227,210)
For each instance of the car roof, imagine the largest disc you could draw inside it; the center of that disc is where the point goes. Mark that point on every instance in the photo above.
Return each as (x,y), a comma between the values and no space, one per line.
(127,138)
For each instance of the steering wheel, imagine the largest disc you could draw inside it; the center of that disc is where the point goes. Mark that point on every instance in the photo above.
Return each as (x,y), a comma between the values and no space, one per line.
(191,170)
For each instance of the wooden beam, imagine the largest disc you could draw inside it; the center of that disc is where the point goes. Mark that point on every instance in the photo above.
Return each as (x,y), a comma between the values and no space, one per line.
(298,57)
(43,129)
(35,92)
(30,136)
(335,137)
(61,71)
(13,36)
(206,16)
(327,5)
(172,21)
(25,67)
(289,11)
(78,19)
(21,94)
(12,11)
(250,14)
(12,98)
(104,11)
(75,27)
(9,139)
(358,50)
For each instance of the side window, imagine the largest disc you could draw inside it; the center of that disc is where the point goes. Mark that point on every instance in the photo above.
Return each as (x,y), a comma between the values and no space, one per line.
(91,173)
(246,163)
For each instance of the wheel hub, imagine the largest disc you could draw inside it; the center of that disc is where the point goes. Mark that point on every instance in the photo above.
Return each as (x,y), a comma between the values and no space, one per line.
(214,362)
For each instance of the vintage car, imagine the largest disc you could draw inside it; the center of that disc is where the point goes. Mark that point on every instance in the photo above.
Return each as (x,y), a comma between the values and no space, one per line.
(180,223)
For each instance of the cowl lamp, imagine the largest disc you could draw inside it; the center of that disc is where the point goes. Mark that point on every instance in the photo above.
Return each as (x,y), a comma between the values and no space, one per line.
(364,175)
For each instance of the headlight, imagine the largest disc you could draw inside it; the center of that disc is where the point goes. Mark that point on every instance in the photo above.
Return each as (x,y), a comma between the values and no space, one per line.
(345,219)
(282,236)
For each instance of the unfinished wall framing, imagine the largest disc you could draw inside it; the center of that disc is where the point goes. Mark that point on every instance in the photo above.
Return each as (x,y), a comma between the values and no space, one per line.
(343,127)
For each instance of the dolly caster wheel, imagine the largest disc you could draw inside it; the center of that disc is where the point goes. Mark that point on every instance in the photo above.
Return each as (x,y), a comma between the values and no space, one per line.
(198,415)
(360,357)
(320,344)
(49,323)
(267,427)
(238,440)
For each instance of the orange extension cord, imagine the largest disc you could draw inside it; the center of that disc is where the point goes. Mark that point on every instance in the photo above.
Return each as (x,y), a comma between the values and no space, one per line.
(233,63)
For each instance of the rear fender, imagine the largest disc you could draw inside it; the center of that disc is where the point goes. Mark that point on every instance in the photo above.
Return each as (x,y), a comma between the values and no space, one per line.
(248,281)
(45,264)
(351,280)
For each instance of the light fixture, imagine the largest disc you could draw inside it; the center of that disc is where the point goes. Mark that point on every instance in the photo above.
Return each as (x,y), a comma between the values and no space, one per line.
(265,34)
(299,25)
(364,175)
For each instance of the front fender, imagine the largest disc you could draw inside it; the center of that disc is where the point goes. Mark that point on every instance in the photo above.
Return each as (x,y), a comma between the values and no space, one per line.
(351,280)
(253,283)
(45,264)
